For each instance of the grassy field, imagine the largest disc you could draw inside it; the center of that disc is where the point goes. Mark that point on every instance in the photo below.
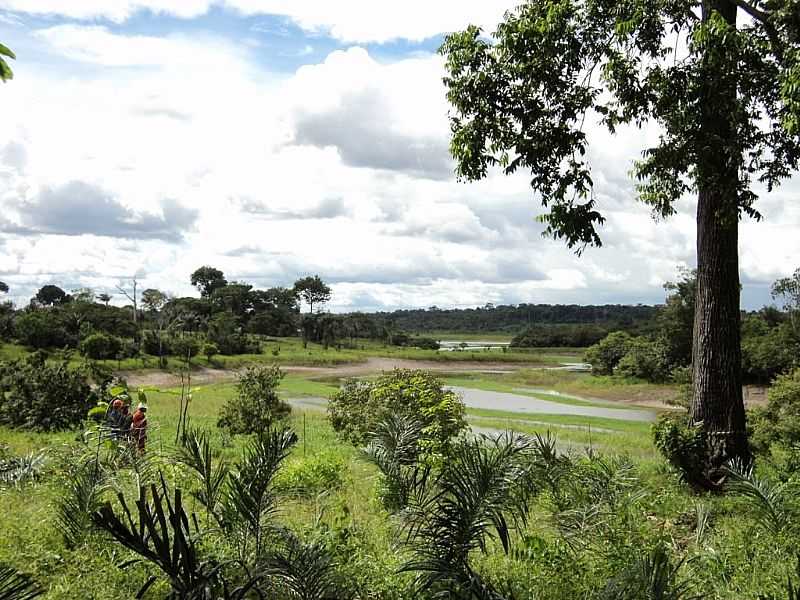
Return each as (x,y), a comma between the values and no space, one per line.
(733,559)
(290,351)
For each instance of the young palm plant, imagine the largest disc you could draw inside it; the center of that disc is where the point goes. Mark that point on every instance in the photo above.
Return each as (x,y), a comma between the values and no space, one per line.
(16,586)
(250,498)
(481,493)
(305,570)
(163,534)
(652,577)
(85,487)
(769,502)
(394,449)
(195,452)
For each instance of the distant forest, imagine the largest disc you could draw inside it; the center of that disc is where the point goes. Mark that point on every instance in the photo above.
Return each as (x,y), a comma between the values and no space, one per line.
(516,318)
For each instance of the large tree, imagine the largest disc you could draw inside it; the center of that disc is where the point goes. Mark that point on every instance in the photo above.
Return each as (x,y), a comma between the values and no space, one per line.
(313,290)
(720,78)
(207,279)
(51,295)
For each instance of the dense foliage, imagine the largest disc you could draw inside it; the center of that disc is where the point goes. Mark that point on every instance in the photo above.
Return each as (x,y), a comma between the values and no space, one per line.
(360,406)
(44,395)
(256,405)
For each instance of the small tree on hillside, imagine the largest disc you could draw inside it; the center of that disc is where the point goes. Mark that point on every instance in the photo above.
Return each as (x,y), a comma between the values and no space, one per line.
(104,298)
(313,290)
(3,287)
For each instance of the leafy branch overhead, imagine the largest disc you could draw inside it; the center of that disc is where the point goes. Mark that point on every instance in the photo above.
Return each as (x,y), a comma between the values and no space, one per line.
(524,100)
(5,71)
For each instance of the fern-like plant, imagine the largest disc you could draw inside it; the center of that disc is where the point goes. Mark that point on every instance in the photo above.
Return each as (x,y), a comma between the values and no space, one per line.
(394,449)
(481,493)
(652,577)
(195,452)
(250,497)
(16,586)
(770,503)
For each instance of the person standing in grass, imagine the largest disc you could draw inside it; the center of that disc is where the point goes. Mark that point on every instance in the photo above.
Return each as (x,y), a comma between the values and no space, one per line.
(115,419)
(139,427)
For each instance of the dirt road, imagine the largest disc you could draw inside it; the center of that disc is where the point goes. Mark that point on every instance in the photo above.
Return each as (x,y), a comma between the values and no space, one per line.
(162,379)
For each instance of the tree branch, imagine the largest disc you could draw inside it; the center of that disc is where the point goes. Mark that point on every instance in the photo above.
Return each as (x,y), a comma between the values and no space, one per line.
(753,11)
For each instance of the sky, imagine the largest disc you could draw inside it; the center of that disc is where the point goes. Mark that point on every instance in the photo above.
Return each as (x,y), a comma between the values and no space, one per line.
(275,139)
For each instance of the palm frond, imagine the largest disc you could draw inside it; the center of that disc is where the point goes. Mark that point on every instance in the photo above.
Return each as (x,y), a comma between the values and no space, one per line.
(195,452)
(20,469)
(306,570)
(5,71)
(83,495)
(652,577)
(249,496)
(16,586)
(394,449)
(768,501)
(478,495)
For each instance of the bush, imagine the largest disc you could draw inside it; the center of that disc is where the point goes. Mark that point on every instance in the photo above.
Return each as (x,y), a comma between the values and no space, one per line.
(357,408)
(44,396)
(256,405)
(645,359)
(152,346)
(43,329)
(210,350)
(312,476)
(101,346)
(778,422)
(684,447)
(606,354)
(185,347)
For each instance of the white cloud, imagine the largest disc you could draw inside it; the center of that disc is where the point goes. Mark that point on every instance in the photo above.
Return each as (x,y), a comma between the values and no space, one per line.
(350,21)
(197,121)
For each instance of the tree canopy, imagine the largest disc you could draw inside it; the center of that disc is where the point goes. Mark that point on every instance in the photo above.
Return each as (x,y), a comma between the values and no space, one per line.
(523,100)
(3,287)
(313,290)
(50,295)
(207,279)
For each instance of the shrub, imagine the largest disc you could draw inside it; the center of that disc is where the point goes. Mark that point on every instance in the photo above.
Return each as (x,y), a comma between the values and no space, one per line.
(312,476)
(152,345)
(357,408)
(210,350)
(100,346)
(779,421)
(43,329)
(645,359)
(256,405)
(684,447)
(185,347)
(606,354)
(44,396)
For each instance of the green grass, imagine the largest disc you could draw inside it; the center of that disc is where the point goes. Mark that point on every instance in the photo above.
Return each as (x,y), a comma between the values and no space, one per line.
(736,560)
(290,352)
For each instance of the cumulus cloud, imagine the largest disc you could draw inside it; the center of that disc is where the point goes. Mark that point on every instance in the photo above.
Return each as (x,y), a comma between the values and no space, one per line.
(79,208)
(340,168)
(345,20)
(391,117)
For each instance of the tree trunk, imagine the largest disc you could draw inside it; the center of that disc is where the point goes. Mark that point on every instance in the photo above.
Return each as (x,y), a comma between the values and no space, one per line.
(717,400)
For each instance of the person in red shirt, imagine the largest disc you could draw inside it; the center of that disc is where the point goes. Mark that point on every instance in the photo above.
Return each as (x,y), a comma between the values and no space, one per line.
(139,427)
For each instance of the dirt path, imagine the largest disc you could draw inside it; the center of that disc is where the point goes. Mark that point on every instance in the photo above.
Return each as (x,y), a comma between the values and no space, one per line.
(162,379)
